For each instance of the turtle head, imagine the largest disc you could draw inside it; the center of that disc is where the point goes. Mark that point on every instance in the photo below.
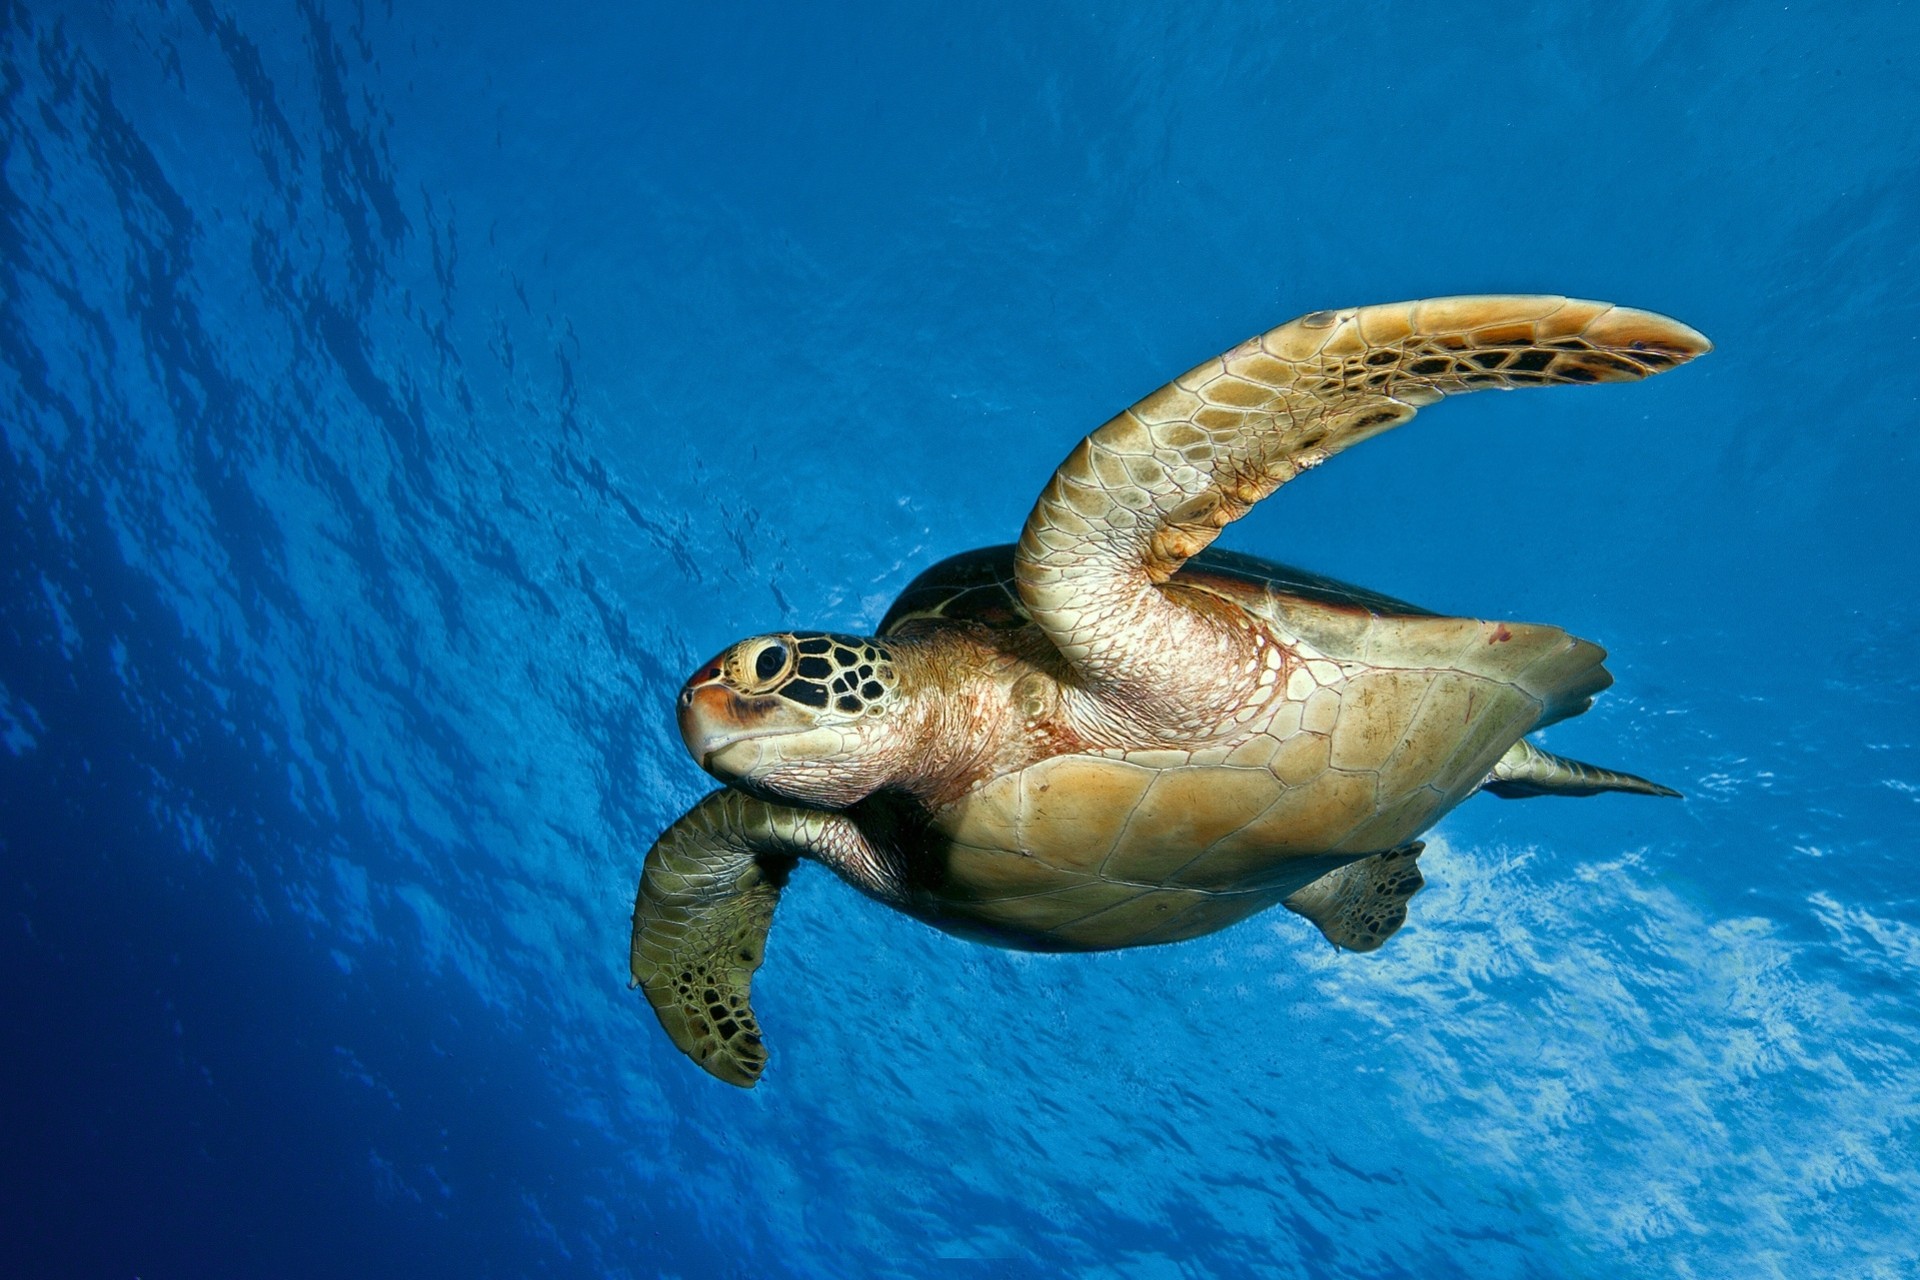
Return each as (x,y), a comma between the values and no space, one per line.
(804,715)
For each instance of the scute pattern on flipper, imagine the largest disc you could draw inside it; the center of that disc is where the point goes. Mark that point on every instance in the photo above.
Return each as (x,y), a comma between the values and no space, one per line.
(712,987)
(1359,906)
(1156,484)
(705,902)
(700,922)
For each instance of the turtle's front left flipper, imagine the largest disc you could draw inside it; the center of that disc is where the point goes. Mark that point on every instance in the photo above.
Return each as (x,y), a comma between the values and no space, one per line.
(705,904)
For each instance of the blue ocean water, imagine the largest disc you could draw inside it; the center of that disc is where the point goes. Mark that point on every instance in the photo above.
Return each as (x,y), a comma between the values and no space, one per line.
(400,400)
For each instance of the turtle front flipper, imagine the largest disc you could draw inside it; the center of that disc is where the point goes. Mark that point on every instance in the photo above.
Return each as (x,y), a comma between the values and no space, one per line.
(704,906)
(1361,905)
(1157,484)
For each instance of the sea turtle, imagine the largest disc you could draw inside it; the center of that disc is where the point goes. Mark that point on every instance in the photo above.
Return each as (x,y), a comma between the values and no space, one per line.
(1110,736)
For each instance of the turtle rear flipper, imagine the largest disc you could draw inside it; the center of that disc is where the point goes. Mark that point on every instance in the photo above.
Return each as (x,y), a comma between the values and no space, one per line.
(705,903)
(1527,771)
(1361,905)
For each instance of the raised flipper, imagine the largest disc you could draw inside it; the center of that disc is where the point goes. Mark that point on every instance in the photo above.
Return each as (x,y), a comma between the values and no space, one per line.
(705,903)
(1526,771)
(1158,483)
(1361,905)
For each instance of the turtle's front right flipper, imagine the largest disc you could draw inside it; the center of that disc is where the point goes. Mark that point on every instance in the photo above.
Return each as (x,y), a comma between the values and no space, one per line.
(705,903)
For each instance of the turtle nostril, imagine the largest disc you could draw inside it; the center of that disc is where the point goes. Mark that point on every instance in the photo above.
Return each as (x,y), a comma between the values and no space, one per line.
(686,697)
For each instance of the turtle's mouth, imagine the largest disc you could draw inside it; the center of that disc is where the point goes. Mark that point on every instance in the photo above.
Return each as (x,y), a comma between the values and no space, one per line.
(732,758)
(717,724)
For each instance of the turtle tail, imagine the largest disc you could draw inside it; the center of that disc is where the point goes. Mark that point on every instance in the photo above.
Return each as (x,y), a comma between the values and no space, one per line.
(1527,771)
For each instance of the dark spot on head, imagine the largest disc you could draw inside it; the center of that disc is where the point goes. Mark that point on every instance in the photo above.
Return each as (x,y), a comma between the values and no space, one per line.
(866,671)
(1578,373)
(1531,361)
(814,668)
(871,689)
(1432,365)
(844,656)
(805,692)
(1488,359)
(1383,357)
(848,704)
(816,644)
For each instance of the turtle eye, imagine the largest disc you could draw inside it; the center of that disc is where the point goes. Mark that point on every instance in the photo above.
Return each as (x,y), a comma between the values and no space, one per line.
(770,661)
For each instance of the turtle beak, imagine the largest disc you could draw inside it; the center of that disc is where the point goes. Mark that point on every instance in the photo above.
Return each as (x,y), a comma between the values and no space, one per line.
(714,716)
(709,714)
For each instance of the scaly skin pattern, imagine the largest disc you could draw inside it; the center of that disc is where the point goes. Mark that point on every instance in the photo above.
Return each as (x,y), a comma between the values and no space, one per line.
(1086,741)
(1157,483)
(701,915)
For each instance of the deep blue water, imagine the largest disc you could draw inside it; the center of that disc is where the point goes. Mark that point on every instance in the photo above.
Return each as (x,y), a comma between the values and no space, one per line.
(399,401)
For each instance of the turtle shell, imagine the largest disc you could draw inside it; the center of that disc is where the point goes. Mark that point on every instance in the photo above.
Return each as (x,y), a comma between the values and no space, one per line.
(1402,715)
(978,586)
